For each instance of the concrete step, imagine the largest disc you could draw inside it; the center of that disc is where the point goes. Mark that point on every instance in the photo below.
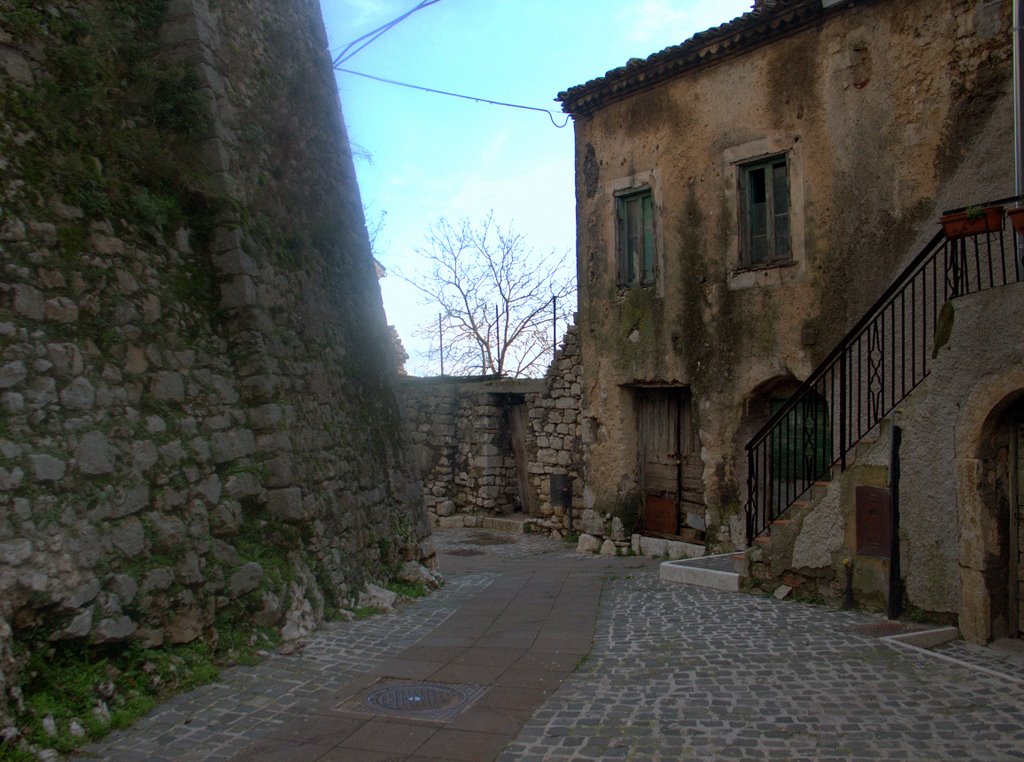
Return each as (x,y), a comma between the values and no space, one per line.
(716,572)
(514,523)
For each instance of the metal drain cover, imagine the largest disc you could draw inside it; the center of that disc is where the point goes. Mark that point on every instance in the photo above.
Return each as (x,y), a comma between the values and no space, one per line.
(418,700)
(422,697)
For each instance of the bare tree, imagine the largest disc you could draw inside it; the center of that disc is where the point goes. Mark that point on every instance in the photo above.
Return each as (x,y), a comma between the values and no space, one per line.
(500,303)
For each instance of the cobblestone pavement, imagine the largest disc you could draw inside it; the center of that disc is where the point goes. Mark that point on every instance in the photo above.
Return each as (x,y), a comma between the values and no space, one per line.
(675,673)
(680,673)
(1005,657)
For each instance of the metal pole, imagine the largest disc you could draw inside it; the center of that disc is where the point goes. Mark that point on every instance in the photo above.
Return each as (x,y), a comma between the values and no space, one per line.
(554,327)
(1018,95)
(1018,116)
(440,340)
(894,606)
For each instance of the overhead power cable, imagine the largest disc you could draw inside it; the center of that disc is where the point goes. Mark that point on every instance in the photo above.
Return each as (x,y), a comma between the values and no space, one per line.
(371,37)
(549,113)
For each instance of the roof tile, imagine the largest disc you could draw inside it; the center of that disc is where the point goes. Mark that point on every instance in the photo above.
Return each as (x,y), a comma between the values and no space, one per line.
(765,22)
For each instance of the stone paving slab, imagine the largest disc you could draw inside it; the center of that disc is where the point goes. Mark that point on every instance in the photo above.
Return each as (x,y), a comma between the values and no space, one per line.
(673,672)
(216,721)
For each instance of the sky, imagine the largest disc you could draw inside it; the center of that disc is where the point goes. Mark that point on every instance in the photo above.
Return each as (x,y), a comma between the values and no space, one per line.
(421,156)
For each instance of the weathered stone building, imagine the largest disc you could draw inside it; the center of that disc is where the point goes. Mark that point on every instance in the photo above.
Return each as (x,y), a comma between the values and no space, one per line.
(743,199)
(198,419)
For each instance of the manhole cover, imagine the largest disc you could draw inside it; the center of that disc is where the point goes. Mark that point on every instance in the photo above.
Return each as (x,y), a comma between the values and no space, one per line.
(424,697)
(463,552)
(883,629)
(424,701)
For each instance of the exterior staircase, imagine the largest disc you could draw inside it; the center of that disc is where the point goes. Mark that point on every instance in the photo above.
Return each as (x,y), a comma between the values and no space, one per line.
(840,412)
(888,353)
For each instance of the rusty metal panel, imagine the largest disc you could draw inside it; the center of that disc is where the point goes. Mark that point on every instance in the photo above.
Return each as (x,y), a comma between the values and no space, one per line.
(874,522)
(660,514)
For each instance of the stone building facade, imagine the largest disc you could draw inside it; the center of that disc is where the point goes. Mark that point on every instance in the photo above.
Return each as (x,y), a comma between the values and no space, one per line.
(743,199)
(197,419)
(488,447)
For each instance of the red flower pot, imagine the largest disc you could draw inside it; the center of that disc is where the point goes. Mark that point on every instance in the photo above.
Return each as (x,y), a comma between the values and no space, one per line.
(962,224)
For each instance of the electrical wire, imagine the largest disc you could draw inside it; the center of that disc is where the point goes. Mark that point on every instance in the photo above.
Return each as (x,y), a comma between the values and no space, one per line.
(344,55)
(549,113)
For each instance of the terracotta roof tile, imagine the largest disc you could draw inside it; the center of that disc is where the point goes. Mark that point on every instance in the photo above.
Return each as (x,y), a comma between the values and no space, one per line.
(768,21)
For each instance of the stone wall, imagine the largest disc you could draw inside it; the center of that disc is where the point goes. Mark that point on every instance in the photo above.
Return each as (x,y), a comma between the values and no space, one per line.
(463,431)
(197,421)
(460,431)
(555,425)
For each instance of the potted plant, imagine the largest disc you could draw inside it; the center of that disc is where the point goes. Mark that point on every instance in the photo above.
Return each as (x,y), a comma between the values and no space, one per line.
(974,220)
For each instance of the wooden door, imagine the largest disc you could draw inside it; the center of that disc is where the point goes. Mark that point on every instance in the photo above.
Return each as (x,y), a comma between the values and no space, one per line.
(1017,532)
(518,418)
(670,468)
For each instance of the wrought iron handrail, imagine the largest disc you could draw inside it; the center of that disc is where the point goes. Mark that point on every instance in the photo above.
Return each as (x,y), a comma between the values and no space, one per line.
(873,368)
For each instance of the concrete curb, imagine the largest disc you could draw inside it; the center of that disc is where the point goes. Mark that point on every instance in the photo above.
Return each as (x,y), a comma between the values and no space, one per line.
(686,572)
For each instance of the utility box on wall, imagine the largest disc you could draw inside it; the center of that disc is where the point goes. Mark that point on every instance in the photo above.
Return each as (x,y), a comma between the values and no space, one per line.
(874,522)
(561,491)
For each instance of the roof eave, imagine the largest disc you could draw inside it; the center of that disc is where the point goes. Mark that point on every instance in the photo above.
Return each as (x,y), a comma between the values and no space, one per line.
(742,35)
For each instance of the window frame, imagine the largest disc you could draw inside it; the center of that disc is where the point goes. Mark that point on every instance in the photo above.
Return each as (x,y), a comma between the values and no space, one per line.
(772,217)
(636,268)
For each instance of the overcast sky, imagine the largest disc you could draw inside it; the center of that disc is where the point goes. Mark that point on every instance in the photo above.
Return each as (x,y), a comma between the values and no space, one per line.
(422,156)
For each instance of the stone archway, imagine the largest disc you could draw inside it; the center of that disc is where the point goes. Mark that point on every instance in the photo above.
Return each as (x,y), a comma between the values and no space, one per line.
(757,410)
(988,463)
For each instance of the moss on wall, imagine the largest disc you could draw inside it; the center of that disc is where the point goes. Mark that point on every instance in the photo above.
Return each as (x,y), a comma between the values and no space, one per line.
(104,124)
(198,423)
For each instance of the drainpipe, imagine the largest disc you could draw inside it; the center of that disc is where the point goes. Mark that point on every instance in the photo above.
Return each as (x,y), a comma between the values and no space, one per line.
(1018,94)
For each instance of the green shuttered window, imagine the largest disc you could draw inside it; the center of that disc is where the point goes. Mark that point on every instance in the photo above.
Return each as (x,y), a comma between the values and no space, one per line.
(764,215)
(635,239)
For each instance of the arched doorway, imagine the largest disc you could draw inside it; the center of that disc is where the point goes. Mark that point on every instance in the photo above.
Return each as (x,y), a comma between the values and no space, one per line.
(999,523)
(793,455)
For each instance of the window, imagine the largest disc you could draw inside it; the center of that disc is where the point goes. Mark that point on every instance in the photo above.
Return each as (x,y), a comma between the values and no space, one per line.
(635,238)
(764,213)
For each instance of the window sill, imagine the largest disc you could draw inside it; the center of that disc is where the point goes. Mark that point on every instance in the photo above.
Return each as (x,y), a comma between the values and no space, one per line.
(624,288)
(773,274)
(769,266)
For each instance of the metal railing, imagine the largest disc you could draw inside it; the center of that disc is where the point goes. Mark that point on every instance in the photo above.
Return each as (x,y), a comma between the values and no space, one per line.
(883,358)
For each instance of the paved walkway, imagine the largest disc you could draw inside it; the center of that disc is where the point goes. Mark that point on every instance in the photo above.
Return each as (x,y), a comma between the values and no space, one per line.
(540,654)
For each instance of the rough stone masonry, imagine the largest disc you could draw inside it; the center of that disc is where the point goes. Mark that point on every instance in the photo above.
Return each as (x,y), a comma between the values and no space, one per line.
(197,412)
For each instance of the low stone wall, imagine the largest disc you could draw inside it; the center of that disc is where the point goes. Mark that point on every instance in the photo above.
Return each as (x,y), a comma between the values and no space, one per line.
(464,431)
(461,435)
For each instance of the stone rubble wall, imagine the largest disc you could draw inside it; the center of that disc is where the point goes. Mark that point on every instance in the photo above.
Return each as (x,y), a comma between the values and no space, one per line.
(555,425)
(461,431)
(197,421)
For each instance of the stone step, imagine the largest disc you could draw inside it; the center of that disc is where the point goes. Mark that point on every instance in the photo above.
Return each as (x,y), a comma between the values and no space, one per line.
(716,572)
(512,524)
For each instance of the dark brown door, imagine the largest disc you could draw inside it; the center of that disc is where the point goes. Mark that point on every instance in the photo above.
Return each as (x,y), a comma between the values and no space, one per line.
(670,467)
(518,419)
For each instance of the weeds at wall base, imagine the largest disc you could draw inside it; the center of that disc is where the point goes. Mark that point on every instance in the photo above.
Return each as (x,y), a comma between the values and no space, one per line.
(75,682)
